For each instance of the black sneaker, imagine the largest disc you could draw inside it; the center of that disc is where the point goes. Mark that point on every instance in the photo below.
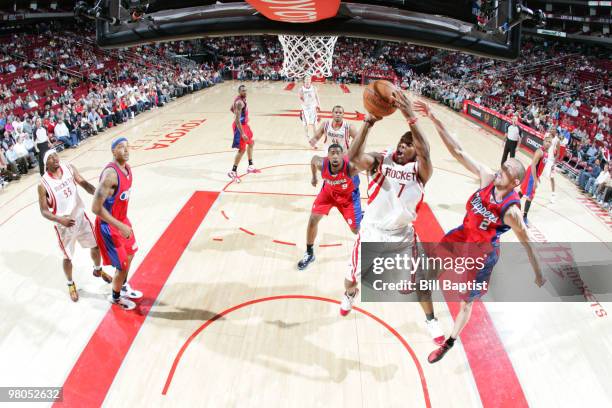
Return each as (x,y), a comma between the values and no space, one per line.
(305,261)
(437,355)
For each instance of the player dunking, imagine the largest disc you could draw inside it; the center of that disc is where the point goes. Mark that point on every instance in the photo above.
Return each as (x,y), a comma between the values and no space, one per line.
(337,131)
(59,201)
(532,178)
(491,211)
(340,190)
(395,192)
(310,105)
(243,135)
(113,228)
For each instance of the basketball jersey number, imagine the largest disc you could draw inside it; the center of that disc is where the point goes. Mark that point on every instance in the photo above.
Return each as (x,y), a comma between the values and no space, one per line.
(401,189)
(67,192)
(484,225)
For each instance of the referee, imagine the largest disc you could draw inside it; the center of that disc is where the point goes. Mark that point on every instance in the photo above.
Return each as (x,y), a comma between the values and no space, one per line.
(513,138)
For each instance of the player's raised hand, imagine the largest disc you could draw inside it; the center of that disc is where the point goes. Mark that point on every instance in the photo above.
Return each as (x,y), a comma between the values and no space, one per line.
(422,108)
(66,221)
(313,143)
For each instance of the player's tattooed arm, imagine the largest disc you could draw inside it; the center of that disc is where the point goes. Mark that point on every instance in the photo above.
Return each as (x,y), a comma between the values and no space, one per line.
(81,181)
(514,219)
(238,107)
(44,209)
(317,135)
(316,164)
(356,153)
(484,173)
(106,188)
(419,141)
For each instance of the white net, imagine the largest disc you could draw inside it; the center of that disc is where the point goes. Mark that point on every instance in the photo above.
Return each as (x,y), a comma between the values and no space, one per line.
(307,56)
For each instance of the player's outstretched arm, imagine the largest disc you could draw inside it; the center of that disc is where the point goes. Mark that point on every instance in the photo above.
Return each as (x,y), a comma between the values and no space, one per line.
(514,219)
(316,164)
(356,153)
(420,143)
(105,189)
(317,135)
(87,186)
(44,209)
(484,173)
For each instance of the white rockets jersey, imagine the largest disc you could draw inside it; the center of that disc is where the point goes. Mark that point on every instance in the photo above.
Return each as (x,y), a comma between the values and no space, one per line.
(394,193)
(310,96)
(551,149)
(341,135)
(62,195)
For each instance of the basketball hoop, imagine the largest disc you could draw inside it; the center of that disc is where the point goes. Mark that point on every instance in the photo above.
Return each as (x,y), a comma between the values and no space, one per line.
(307,56)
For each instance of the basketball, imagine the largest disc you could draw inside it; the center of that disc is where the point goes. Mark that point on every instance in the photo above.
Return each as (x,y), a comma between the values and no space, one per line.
(378,98)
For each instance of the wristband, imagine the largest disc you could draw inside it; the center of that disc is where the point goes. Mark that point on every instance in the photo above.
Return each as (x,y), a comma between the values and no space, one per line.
(369,122)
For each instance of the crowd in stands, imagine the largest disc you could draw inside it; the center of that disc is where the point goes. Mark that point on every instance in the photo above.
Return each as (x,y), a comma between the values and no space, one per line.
(64,79)
(57,90)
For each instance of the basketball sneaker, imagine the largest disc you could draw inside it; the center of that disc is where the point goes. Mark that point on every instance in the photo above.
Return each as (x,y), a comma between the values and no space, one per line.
(234,176)
(438,354)
(347,303)
(252,169)
(127,291)
(125,304)
(72,290)
(436,333)
(305,261)
(99,273)
(553,198)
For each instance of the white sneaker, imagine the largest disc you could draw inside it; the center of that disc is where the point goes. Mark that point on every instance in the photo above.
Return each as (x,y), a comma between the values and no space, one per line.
(127,291)
(436,333)
(234,176)
(124,303)
(347,303)
(252,169)
(553,197)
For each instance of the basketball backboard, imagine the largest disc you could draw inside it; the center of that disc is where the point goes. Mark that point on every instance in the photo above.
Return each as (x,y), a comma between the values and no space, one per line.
(464,25)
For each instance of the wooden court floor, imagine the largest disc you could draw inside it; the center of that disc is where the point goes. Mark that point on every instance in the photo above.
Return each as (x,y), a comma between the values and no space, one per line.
(228,321)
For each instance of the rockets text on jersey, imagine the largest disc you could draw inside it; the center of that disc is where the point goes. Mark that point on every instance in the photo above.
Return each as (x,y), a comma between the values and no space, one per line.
(339,135)
(62,195)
